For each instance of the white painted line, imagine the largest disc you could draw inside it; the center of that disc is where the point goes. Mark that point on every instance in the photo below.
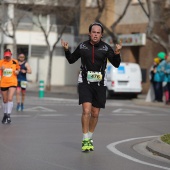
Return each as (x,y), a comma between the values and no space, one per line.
(112,148)
(39,108)
(126,114)
(20,116)
(52,98)
(129,114)
(157,114)
(127,111)
(114,104)
(51,115)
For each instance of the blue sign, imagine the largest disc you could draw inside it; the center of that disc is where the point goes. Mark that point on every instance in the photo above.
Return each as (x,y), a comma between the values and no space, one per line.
(121,70)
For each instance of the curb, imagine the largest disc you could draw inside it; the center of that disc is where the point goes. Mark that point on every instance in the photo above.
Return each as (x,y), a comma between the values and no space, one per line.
(158,147)
(144,103)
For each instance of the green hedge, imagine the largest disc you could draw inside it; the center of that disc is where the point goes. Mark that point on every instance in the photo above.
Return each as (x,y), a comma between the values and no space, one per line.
(166,138)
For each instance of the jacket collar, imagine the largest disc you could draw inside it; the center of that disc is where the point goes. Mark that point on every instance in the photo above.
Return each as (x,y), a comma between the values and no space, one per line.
(97,44)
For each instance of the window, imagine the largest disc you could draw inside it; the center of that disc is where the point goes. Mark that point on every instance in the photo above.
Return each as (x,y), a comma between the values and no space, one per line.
(167,4)
(38,51)
(22,49)
(91,3)
(136,2)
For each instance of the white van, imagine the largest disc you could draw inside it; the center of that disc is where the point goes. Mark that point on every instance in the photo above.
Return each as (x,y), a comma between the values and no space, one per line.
(126,79)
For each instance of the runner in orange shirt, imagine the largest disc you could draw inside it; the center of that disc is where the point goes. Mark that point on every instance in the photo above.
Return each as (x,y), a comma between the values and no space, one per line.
(9,69)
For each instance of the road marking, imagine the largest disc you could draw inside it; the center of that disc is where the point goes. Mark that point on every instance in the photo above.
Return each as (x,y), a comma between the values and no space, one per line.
(20,116)
(131,114)
(52,115)
(39,108)
(112,148)
(162,114)
(126,114)
(127,111)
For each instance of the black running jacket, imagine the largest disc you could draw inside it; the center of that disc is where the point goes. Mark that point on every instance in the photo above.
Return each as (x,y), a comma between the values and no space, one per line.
(93,58)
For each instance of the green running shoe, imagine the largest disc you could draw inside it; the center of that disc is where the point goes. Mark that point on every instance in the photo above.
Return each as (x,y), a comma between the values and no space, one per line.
(91,147)
(85,145)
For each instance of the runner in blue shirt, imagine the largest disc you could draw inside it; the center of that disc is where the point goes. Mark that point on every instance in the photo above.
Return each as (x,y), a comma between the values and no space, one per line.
(22,81)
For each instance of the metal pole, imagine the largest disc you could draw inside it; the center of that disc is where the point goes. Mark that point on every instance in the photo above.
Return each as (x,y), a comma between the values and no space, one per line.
(2,34)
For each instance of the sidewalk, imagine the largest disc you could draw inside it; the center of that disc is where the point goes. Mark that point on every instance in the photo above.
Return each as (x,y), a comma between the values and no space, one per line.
(158,147)
(72,89)
(141,100)
(54,89)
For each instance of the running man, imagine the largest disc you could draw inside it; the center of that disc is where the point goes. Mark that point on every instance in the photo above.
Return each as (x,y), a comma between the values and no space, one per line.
(92,79)
(22,81)
(9,69)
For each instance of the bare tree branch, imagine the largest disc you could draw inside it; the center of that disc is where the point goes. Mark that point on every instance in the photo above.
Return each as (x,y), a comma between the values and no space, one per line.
(151,25)
(108,31)
(67,15)
(121,16)
(143,8)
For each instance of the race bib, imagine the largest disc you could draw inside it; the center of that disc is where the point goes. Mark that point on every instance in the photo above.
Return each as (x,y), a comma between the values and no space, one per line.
(94,76)
(23,84)
(7,72)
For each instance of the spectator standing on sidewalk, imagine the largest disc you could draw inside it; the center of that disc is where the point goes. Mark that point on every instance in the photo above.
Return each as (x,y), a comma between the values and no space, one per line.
(22,81)
(9,69)
(159,76)
(167,80)
(152,93)
(92,78)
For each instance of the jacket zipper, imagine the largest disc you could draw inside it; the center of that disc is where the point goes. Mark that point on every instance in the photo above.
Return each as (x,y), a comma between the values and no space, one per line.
(93,54)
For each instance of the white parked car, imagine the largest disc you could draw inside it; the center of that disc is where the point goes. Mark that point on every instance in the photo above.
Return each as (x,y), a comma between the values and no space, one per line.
(126,79)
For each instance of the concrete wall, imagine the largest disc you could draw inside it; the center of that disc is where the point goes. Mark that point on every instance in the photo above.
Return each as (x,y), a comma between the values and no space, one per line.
(63,73)
(88,14)
(134,15)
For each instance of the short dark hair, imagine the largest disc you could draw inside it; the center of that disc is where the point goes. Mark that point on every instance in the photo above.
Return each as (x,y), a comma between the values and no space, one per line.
(96,23)
(7,50)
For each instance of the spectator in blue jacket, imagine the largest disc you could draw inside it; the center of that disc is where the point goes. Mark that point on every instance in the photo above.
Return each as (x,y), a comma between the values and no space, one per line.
(159,76)
(151,76)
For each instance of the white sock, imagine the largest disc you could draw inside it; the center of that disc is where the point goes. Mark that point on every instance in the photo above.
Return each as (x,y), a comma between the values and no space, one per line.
(85,136)
(4,107)
(10,106)
(90,134)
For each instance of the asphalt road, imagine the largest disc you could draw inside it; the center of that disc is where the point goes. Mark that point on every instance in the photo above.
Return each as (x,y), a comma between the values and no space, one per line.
(47,136)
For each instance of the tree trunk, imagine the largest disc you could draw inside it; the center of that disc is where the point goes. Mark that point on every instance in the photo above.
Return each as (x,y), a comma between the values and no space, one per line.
(14,47)
(48,84)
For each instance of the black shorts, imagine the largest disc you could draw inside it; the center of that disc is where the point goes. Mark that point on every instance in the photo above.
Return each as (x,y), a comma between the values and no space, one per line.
(92,93)
(19,85)
(6,88)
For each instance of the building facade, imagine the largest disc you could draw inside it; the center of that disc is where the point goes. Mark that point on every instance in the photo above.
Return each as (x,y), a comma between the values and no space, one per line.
(31,41)
(131,30)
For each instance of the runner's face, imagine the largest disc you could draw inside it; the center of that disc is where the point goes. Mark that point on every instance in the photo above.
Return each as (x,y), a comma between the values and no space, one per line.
(95,34)
(7,58)
(21,58)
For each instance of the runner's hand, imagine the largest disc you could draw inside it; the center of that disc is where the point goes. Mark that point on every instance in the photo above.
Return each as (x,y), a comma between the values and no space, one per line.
(16,72)
(64,44)
(2,68)
(23,71)
(118,47)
